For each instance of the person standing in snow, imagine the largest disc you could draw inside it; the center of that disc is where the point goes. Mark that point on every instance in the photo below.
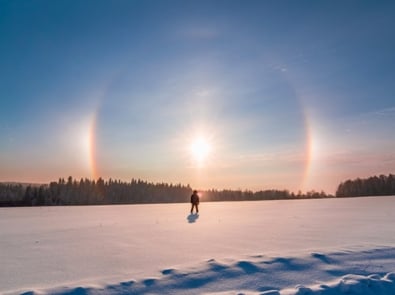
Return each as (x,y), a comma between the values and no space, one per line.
(195,201)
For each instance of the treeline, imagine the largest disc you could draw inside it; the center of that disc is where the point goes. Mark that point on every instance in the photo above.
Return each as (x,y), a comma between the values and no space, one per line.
(100,192)
(91,192)
(373,186)
(238,195)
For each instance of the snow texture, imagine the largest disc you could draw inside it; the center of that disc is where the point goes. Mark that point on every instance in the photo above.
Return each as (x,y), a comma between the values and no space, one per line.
(334,246)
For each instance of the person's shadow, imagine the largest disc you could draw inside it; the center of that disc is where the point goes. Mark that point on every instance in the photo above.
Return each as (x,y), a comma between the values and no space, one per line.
(192,217)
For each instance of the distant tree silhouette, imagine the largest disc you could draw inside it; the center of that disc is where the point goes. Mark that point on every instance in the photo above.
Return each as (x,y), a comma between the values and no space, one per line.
(137,191)
(373,186)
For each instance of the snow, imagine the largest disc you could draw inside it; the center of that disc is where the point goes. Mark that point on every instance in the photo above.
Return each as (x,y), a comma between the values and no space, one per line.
(330,246)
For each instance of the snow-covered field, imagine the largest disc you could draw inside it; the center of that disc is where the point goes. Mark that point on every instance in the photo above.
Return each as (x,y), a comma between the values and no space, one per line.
(334,246)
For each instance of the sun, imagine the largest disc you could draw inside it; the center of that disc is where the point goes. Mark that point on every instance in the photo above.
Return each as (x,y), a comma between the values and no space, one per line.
(200,149)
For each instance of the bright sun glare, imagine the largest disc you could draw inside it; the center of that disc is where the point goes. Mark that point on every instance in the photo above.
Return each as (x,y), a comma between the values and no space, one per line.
(200,149)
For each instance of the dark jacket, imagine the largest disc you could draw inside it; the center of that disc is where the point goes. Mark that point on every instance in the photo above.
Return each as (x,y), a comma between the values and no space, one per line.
(195,199)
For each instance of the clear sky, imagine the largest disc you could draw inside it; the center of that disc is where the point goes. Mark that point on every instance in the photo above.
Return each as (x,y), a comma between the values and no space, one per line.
(215,94)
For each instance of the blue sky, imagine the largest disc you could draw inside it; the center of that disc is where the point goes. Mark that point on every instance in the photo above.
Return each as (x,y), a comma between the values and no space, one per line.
(286,94)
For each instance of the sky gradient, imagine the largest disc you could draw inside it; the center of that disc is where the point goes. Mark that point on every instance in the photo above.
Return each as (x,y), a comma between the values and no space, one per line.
(294,95)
